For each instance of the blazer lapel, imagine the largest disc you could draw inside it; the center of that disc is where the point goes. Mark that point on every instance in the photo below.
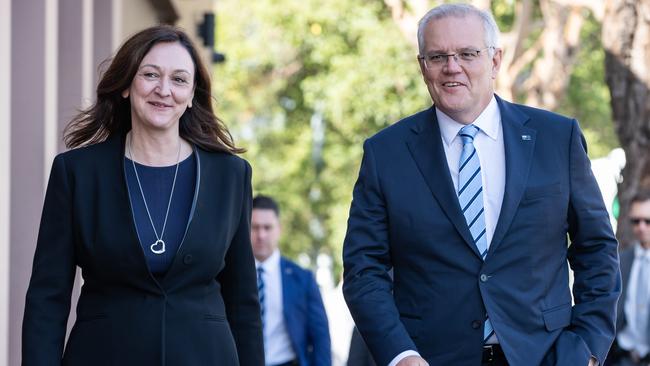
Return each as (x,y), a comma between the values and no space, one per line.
(519,144)
(288,288)
(179,255)
(426,149)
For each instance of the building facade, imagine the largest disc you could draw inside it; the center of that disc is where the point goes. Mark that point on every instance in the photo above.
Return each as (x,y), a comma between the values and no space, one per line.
(50,51)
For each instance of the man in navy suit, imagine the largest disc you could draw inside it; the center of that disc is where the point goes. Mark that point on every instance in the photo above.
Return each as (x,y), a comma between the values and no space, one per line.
(632,345)
(471,203)
(295,324)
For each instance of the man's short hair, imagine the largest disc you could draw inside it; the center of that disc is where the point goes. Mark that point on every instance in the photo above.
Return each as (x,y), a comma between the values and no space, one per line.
(461,10)
(262,202)
(641,196)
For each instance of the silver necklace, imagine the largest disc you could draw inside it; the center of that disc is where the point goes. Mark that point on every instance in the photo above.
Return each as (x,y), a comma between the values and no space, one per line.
(158,247)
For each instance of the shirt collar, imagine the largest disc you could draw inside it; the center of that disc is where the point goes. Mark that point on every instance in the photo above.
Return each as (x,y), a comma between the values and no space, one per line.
(488,122)
(640,252)
(271,263)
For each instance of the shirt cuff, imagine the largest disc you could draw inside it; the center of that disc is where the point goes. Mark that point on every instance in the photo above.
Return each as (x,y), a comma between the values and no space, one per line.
(402,356)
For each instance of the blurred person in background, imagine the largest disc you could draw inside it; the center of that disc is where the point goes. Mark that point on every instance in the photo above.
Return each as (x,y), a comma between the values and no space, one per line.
(470,203)
(293,316)
(153,204)
(359,354)
(632,344)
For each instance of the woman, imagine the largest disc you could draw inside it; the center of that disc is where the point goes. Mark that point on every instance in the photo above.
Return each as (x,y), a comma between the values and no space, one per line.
(155,210)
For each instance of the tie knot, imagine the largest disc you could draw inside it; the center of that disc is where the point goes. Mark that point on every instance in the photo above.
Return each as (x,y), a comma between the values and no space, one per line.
(260,270)
(467,133)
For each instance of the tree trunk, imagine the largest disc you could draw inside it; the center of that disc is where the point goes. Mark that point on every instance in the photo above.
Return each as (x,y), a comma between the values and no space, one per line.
(626,39)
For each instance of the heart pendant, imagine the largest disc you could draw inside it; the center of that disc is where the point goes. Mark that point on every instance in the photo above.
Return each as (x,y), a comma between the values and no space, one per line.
(158,247)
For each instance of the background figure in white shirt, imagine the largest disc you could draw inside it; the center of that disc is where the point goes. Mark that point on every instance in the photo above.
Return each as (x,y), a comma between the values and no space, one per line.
(295,323)
(632,345)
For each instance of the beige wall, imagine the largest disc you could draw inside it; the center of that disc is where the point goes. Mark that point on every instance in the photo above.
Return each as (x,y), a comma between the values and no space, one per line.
(136,15)
(190,15)
(49,54)
(5,148)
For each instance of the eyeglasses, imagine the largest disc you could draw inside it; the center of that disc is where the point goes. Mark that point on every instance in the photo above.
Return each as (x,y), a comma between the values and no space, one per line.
(464,56)
(636,221)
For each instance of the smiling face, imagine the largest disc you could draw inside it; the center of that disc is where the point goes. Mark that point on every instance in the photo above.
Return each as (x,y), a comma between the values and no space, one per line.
(162,88)
(460,90)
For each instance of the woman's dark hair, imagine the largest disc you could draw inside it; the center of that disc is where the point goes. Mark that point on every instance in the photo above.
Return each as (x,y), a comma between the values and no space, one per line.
(111,113)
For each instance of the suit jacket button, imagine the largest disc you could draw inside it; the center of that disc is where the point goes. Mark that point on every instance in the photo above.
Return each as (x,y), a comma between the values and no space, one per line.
(187,259)
(484,278)
(476,324)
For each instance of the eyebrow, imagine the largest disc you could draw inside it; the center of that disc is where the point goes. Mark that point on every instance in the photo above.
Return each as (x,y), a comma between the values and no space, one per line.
(158,68)
(465,48)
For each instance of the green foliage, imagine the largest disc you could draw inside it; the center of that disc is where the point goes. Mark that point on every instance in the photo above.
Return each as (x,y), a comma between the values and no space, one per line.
(588,97)
(298,62)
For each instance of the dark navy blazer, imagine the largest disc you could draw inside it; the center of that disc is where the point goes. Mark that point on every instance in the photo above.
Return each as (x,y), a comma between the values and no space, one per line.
(405,215)
(204,311)
(304,315)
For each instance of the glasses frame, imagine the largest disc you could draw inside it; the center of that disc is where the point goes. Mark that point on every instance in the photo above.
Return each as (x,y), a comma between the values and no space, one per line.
(427,59)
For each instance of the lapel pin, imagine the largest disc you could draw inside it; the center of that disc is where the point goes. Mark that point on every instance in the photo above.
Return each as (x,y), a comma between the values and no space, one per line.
(525,137)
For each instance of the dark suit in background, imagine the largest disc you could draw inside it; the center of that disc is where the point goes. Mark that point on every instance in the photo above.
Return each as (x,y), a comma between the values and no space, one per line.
(359,354)
(295,323)
(305,316)
(204,311)
(632,344)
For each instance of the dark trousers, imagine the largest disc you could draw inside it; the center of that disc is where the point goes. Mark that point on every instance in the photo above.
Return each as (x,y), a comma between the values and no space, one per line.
(290,363)
(620,357)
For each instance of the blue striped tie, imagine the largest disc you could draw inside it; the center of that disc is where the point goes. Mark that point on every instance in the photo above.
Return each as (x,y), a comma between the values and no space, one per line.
(470,197)
(260,291)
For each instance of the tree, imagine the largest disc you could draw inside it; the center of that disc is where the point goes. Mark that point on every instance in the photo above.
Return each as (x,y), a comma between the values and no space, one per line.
(626,30)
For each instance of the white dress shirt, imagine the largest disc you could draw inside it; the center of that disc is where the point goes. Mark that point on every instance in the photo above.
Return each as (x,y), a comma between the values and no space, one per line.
(488,143)
(634,336)
(277,344)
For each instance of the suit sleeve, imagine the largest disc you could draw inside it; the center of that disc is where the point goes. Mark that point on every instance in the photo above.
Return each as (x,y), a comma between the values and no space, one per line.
(47,304)
(367,286)
(319,334)
(239,287)
(594,259)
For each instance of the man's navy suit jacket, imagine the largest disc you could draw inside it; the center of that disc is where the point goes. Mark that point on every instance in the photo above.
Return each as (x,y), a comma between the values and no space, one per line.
(305,316)
(405,215)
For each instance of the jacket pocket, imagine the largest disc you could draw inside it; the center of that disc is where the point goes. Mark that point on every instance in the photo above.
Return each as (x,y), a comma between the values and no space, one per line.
(535,192)
(557,317)
(215,317)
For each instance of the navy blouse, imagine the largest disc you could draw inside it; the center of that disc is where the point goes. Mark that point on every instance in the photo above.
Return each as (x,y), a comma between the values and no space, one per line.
(156,186)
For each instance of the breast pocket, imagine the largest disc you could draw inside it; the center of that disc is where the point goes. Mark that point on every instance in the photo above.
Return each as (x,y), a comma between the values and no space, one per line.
(537,192)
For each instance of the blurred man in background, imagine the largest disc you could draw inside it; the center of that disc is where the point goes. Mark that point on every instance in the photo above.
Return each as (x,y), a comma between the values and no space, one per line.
(632,345)
(295,324)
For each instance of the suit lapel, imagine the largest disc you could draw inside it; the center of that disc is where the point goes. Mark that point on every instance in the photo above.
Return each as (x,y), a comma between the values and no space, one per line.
(179,256)
(426,148)
(288,288)
(519,144)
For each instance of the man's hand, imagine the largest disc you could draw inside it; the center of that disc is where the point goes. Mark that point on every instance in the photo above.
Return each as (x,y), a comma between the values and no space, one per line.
(413,361)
